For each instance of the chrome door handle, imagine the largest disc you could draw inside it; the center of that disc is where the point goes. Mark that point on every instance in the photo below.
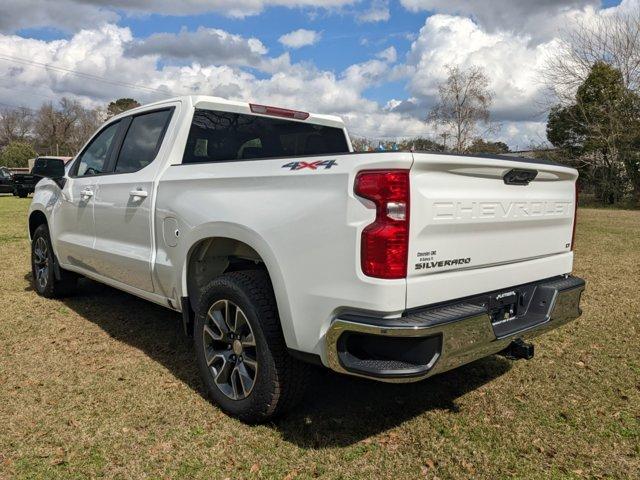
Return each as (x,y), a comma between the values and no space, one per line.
(138,193)
(86,194)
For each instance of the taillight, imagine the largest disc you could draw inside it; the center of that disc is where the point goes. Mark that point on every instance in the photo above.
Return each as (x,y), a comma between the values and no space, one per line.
(575,216)
(385,242)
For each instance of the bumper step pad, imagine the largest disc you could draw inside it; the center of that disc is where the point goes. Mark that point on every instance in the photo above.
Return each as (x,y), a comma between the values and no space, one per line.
(440,337)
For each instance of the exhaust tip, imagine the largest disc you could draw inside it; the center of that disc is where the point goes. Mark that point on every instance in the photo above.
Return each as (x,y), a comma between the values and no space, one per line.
(519,349)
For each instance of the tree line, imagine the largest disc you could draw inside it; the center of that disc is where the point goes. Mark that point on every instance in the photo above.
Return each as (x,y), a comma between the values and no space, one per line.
(58,129)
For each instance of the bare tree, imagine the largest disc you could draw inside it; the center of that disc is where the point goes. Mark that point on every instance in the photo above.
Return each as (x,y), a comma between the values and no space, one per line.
(53,126)
(15,125)
(63,129)
(612,39)
(88,121)
(464,103)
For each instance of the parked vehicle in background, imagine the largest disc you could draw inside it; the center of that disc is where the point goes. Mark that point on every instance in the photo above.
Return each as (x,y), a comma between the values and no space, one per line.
(24,183)
(282,247)
(6,182)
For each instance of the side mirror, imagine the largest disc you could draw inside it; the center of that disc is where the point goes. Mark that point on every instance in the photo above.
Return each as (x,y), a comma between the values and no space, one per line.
(52,168)
(49,167)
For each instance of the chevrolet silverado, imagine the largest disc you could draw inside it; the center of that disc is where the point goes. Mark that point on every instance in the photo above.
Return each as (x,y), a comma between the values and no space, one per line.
(281,247)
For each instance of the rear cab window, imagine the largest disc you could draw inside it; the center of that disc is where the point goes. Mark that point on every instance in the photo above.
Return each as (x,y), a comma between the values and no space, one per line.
(225,136)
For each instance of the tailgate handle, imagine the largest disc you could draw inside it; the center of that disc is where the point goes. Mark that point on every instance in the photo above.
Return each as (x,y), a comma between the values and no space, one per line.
(519,176)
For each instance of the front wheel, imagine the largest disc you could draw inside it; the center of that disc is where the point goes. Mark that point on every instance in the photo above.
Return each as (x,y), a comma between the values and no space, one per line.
(45,281)
(240,349)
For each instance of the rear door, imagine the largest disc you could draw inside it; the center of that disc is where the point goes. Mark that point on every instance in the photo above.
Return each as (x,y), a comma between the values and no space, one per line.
(473,212)
(125,198)
(73,226)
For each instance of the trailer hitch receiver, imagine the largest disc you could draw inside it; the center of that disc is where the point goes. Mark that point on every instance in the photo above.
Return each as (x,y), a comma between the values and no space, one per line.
(519,349)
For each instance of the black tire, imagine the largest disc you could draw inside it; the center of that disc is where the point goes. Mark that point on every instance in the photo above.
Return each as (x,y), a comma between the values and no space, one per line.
(279,379)
(22,194)
(43,266)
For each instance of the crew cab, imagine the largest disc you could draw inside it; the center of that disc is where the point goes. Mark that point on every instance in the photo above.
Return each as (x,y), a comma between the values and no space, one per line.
(281,247)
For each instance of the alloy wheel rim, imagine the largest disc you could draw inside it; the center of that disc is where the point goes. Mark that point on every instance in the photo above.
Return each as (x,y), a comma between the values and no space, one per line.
(41,262)
(230,349)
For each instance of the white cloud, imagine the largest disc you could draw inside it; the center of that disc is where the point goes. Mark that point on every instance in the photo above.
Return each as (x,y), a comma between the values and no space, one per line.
(300,38)
(509,60)
(106,53)
(377,12)
(388,55)
(60,14)
(521,135)
(539,19)
(208,45)
(216,62)
(73,15)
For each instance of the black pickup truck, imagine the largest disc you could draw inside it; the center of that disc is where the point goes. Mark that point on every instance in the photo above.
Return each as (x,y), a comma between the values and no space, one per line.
(25,183)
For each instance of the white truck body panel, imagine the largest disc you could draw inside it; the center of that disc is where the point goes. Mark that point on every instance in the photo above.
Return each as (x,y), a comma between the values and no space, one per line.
(309,238)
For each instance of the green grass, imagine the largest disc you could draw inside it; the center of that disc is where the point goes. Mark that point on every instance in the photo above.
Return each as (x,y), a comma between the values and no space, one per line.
(104,385)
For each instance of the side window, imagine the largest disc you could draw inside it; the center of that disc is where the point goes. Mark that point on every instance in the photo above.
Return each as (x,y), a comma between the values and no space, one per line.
(142,142)
(94,159)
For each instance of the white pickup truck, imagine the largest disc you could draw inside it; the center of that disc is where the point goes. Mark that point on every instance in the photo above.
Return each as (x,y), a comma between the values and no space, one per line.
(281,247)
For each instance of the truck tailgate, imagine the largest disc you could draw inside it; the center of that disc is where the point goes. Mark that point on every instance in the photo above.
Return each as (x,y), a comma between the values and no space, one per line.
(464,217)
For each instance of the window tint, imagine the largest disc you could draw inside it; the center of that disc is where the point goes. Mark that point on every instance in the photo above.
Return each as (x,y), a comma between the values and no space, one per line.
(94,159)
(217,136)
(142,141)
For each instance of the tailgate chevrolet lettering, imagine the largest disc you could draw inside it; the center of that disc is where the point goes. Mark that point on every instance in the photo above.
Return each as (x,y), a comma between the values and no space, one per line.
(499,210)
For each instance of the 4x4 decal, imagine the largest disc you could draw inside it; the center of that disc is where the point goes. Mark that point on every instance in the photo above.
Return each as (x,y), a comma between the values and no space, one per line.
(310,165)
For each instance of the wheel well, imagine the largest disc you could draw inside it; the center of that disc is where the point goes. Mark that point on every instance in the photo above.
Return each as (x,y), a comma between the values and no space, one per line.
(36,219)
(212,257)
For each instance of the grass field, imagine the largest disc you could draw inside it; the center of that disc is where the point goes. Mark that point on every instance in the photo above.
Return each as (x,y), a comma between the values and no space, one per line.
(104,385)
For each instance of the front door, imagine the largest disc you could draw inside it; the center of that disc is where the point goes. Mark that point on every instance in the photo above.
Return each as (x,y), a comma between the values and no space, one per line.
(74,234)
(123,206)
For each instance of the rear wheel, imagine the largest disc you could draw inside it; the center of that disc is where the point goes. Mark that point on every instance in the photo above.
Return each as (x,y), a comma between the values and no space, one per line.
(21,193)
(240,349)
(43,267)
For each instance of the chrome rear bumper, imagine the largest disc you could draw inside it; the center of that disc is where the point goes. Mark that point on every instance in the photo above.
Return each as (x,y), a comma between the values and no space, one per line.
(433,340)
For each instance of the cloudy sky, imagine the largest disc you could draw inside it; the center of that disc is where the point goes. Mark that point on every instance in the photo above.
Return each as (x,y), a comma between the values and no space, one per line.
(376,63)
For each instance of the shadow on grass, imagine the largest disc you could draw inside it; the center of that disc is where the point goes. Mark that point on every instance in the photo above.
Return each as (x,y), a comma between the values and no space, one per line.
(337,410)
